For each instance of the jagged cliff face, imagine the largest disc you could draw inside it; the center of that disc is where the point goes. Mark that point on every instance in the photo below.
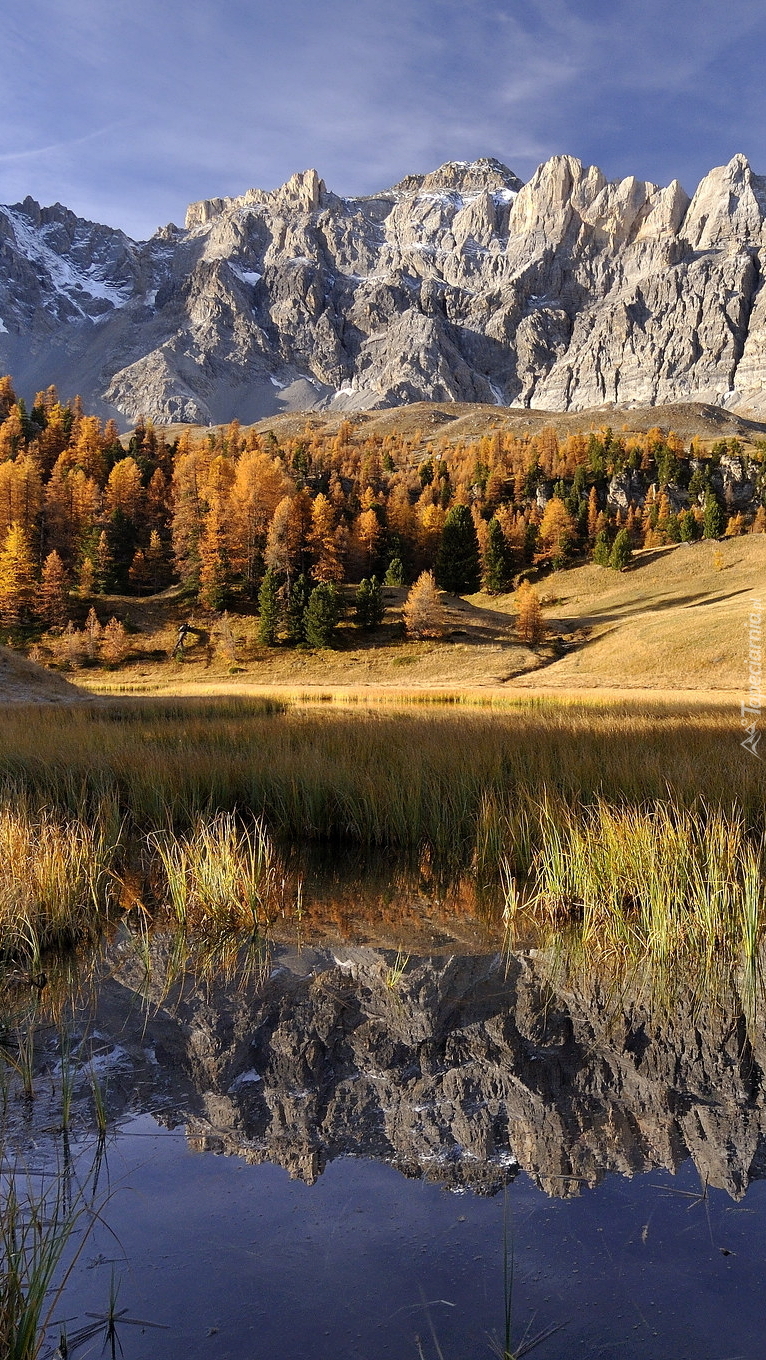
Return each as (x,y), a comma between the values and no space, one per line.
(564,293)
(462,1069)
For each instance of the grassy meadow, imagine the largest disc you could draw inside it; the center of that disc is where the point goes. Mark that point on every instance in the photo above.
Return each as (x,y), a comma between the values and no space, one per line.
(642,824)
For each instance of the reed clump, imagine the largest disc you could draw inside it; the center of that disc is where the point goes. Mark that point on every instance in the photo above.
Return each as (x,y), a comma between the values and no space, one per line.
(55,878)
(221,877)
(677,894)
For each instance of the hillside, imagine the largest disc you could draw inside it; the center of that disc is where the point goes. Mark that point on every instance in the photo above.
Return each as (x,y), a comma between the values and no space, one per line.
(461,285)
(24,682)
(676,619)
(673,622)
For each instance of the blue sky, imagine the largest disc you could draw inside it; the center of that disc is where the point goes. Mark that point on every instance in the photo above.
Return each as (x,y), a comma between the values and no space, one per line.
(128,111)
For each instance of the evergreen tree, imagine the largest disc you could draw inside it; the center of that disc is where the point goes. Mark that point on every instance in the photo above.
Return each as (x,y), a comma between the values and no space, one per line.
(497,562)
(297,604)
(322,615)
(394,573)
(122,536)
(712,519)
(457,563)
(687,526)
(621,551)
(369,603)
(268,603)
(602,548)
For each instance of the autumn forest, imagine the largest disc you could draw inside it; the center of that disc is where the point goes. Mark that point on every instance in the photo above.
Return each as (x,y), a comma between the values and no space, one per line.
(239,515)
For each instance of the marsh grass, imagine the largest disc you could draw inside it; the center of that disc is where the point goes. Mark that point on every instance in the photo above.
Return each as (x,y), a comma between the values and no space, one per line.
(44,1223)
(596,808)
(55,884)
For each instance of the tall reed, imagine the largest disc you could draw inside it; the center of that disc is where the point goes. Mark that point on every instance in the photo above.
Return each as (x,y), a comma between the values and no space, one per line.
(55,883)
(681,892)
(223,875)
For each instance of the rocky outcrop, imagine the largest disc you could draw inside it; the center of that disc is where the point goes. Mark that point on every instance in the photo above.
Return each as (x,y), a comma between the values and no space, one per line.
(565,293)
(464,1069)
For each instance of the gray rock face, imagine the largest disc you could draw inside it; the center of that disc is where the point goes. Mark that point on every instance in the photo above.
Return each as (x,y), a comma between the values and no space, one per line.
(463,284)
(464,1068)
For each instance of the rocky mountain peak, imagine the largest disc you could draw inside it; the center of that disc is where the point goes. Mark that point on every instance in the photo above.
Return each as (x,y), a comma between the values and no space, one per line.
(463,177)
(461,284)
(728,207)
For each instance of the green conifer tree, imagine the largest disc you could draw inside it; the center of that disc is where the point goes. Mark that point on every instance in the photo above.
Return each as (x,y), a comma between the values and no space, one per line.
(394,573)
(369,603)
(712,519)
(298,600)
(322,615)
(497,564)
(602,548)
(457,562)
(621,552)
(268,603)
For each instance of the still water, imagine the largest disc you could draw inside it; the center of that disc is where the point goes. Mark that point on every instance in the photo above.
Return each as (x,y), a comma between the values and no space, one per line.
(365,1151)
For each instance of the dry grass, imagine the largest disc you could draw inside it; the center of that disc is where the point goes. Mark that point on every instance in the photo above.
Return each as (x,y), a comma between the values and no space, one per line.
(577,787)
(671,621)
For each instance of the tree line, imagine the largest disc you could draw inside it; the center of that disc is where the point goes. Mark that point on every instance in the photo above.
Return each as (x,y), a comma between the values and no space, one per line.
(283,522)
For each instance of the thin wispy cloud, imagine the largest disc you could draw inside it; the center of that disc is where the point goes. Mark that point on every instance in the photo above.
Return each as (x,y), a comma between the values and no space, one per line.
(128,111)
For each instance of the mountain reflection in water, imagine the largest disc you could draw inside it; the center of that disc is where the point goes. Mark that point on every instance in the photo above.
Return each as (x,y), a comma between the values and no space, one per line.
(458,1067)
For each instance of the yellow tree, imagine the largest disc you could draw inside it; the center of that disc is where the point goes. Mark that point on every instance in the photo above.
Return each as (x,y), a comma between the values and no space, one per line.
(188,508)
(156,562)
(157,498)
(21,495)
(592,512)
(72,503)
(323,542)
(423,612)
(12,438)
(27,493)
(124,490)
(214,570)
(557,531)
(88,448)
(17,575)
(288,534)
(260,484)
(53,592)
(530,626)
(367,536)
(7,396)
(431,526)
(54,439)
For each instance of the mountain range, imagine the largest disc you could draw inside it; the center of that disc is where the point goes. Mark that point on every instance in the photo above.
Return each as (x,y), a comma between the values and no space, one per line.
(564,293)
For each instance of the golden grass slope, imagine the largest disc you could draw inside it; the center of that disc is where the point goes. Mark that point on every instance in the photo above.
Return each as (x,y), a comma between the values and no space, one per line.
(675,619)
(452,420)
(23,682)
